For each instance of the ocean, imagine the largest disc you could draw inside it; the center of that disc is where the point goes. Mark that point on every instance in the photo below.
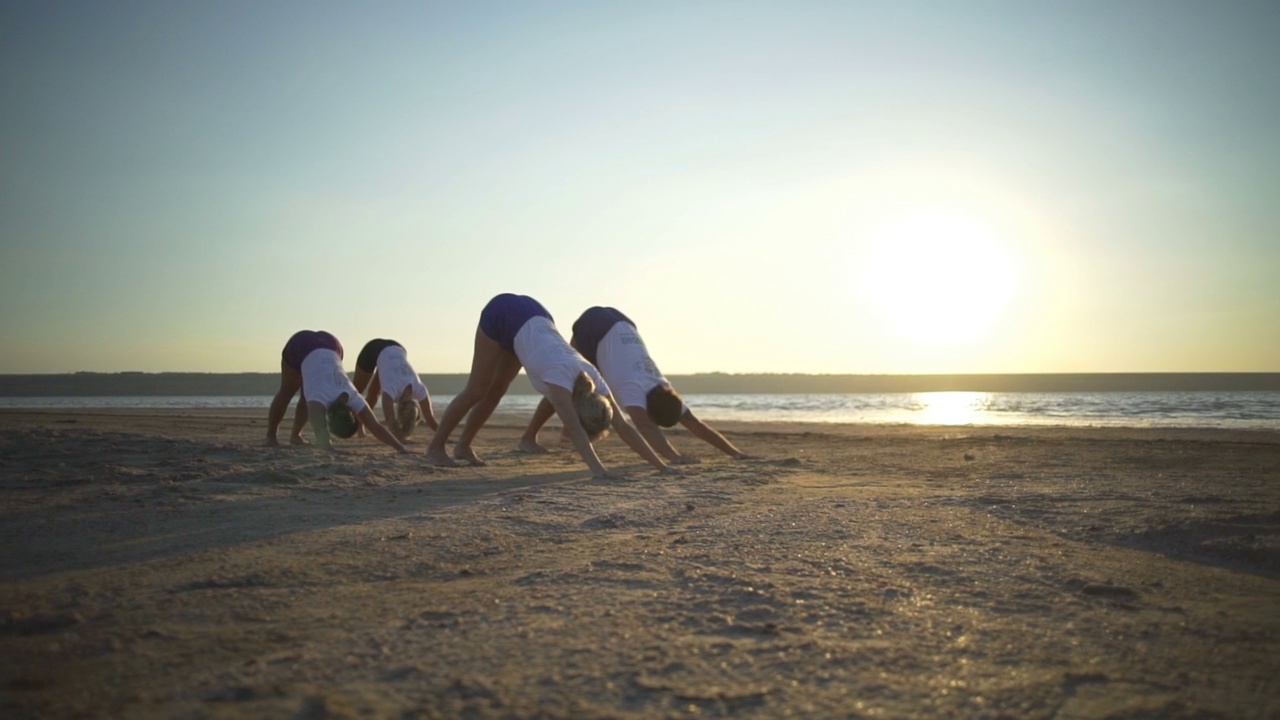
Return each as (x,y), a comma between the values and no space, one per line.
(1239,410)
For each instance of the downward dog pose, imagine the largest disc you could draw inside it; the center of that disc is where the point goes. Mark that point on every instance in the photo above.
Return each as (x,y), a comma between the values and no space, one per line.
(383,369)
(611,342)
(312,363)
(516,331)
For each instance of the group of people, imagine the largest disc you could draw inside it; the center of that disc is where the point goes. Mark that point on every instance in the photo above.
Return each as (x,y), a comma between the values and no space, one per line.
(588,381)
(311,363)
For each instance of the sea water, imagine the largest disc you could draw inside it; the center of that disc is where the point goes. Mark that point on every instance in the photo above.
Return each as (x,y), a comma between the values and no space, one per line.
(1232,410)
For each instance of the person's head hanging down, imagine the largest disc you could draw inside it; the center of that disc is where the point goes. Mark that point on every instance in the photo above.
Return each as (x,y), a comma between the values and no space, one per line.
(383,372)
(664,405)
(594,411)
(342,420)
(407,414)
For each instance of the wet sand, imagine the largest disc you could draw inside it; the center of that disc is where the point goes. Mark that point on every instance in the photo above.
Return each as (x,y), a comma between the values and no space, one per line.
(166,564)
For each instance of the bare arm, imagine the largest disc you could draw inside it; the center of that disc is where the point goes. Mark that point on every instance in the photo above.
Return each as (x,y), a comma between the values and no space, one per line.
(633,438)
(381,432)
(320,424)
(653,434)
(375,389)
(428,416)
(562,400)
(707,434)
(388,409)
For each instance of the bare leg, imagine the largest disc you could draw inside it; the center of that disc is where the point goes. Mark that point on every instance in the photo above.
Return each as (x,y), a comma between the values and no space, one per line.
(529,441)
(485,363)
(428,416)
(501,379)
(300,416)
(361,380)
(290,384)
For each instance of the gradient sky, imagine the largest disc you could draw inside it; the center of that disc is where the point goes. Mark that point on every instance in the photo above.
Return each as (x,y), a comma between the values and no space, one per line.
(820,187)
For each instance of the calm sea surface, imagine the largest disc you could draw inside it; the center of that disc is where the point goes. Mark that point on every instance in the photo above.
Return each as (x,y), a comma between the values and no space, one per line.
(1236,410)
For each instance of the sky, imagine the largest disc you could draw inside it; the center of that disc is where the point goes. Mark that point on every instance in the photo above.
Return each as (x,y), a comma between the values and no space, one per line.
(763,187)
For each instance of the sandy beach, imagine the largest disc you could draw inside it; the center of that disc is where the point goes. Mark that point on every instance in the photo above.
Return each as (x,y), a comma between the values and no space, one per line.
(167,564)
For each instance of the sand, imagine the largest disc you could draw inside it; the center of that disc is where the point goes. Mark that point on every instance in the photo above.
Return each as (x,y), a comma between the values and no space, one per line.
(166,564)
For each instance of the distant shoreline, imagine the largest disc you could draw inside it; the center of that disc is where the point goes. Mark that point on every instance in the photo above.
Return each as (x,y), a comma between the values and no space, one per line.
(88,384)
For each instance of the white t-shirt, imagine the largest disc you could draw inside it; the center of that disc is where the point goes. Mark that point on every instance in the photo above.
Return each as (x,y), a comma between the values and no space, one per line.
(395,374)
(549,360)
(323,380)
(626,364)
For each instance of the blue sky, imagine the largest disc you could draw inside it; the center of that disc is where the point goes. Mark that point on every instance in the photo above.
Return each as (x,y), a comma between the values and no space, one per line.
(839,187)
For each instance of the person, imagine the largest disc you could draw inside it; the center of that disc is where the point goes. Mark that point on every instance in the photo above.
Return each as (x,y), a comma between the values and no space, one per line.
(312,363)
(517,331)
(610,341)
(383,370)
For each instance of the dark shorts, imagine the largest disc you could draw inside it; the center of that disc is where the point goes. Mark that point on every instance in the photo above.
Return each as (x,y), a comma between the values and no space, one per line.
(503,317)
(303,342)
(367,360)
(591,327)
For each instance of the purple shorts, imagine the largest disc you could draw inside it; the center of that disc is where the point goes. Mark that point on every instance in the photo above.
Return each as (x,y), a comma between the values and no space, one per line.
(591,327)
(367,360)
(503,317)
(303,342)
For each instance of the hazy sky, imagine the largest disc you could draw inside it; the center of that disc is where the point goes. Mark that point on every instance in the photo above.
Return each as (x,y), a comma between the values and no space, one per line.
(826,187)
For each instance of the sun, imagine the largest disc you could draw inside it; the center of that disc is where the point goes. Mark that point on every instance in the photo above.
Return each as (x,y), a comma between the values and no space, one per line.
(938,279)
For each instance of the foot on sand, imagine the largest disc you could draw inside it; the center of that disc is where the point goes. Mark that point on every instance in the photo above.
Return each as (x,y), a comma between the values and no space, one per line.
(440,458)
(531,447)
(467,455)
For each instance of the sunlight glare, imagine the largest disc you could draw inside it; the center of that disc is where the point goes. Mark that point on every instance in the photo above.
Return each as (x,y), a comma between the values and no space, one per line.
(938,279)
(950,408)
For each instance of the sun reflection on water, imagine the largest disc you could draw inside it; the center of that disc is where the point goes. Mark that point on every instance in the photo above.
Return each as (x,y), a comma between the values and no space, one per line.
(950,408)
